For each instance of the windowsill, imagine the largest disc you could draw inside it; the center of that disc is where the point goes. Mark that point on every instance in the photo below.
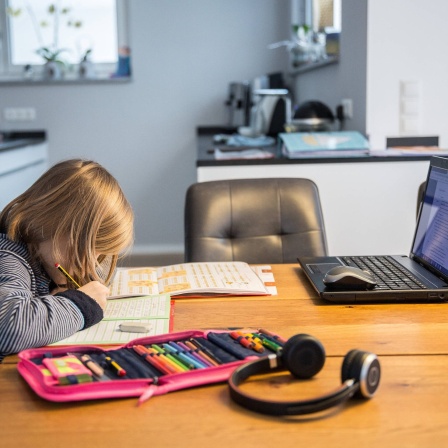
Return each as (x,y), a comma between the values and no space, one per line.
(15,80)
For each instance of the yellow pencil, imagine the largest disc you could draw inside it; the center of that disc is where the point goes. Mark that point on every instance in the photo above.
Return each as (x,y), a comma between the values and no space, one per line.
(67,275)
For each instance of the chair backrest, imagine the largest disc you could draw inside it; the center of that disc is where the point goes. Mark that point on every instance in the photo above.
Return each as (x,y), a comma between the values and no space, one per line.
(253,220)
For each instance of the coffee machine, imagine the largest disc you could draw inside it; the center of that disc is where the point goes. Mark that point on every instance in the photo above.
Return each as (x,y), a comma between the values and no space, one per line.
(259,107)
(270,111)
(239,103)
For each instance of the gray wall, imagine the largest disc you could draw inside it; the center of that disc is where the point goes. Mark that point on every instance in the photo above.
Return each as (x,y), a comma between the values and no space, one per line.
(184,54)
(347,79)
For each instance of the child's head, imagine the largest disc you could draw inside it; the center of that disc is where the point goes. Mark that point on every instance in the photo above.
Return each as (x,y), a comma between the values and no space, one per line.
(79,206)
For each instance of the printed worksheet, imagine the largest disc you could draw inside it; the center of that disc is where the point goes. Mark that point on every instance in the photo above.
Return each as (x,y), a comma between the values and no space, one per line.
(154,311)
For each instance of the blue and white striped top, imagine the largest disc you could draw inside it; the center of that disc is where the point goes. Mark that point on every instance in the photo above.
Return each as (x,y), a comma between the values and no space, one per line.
(29,315)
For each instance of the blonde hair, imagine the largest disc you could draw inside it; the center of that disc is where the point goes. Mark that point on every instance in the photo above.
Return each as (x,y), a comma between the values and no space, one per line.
(80,206)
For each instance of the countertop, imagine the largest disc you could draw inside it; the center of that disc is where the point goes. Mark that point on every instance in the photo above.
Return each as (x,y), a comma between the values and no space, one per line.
(18,139)
(205,154)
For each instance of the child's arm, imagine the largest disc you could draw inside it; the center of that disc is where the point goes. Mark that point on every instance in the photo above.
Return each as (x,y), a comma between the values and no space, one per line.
(28,320)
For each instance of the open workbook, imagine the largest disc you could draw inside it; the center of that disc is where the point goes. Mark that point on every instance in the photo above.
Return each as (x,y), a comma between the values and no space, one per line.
(154,312)
(207,279)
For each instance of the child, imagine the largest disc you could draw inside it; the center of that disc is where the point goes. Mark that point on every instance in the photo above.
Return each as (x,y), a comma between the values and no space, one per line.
(75,214)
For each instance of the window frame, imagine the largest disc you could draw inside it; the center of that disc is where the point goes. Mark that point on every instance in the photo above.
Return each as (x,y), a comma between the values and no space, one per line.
(10,72)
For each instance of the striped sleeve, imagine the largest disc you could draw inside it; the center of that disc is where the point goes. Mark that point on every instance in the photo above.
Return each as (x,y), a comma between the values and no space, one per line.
(28,320)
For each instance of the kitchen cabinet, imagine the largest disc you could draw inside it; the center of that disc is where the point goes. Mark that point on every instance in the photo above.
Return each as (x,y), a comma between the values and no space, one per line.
(23,158)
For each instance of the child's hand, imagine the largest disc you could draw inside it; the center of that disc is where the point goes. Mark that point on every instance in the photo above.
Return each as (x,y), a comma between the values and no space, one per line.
(97,291)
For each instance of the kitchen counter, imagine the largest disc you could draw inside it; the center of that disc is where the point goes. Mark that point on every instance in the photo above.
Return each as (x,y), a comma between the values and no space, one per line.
(18,139)
(205,154)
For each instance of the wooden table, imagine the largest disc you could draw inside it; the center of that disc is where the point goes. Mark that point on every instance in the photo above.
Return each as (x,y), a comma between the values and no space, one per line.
(409,409)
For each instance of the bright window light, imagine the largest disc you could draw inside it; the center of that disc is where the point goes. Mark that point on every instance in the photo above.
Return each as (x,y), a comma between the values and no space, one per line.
(70,26)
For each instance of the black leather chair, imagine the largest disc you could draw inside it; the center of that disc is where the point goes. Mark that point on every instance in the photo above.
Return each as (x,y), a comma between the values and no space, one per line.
(253,220)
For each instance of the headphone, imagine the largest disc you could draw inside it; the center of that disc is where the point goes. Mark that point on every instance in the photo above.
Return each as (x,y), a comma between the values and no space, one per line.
(304,356)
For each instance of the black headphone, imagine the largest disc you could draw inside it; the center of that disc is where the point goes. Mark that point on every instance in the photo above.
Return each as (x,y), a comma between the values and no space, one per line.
(304,356)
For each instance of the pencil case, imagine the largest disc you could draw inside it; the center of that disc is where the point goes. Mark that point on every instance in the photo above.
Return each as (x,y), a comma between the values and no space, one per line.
(144,367)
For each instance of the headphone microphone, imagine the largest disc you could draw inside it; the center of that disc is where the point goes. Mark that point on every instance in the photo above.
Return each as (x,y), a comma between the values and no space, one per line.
(304,356)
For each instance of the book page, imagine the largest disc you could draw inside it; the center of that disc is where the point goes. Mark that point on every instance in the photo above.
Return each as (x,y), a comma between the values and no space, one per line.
(154,311)
(134,282)
(267,277)
(214,277)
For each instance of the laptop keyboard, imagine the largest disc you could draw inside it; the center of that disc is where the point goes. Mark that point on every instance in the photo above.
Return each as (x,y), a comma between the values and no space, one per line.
(388,273)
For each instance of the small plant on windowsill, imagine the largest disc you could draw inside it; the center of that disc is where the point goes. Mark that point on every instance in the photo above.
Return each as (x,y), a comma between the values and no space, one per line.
(54,65)
(86,67)
(50,53)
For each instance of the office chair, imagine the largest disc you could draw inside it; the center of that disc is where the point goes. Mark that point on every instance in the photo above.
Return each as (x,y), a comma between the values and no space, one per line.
(253,220)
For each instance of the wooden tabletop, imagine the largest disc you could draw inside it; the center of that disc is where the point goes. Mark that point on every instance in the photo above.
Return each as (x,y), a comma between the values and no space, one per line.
(408,410)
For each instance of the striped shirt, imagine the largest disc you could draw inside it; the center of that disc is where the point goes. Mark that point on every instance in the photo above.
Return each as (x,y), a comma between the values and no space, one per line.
(29,315)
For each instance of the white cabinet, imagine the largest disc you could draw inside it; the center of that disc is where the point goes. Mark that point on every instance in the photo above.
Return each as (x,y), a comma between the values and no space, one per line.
(369,207)
(19,168)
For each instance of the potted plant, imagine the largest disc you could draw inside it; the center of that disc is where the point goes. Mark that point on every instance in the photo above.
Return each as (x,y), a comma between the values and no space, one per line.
(86,67)
(54,65)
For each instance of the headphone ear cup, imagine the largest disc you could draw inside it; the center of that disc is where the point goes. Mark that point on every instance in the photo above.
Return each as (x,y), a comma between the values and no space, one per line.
(303,355)
(364,368)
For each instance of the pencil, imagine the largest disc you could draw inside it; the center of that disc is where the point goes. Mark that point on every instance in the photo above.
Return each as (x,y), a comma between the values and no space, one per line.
(67,275)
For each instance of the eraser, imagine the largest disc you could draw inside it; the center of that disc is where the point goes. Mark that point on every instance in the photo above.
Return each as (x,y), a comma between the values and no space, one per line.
(68,370)
(135,327)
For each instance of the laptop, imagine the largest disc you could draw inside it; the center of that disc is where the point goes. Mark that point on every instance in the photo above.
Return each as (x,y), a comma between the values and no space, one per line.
(420,277)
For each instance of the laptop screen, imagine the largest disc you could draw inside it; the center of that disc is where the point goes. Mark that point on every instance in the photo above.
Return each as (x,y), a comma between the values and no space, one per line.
(430,245)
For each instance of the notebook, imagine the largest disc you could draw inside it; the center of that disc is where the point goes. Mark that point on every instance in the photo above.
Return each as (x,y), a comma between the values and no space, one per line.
(427,262)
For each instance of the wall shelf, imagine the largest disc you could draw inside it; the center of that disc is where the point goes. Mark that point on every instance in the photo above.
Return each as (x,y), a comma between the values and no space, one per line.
(308,66)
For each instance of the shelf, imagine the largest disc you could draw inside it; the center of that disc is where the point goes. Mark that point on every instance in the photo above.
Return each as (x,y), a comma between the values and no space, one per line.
(308,66)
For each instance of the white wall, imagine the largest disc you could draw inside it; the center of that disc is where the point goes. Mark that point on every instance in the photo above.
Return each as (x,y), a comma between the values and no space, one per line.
(406,42)
(184,54)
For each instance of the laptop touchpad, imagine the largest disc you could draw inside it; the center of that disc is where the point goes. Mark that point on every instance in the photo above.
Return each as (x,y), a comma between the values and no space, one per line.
(321,268)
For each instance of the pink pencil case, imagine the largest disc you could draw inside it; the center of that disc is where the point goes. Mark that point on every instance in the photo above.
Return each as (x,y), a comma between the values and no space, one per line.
(144,367)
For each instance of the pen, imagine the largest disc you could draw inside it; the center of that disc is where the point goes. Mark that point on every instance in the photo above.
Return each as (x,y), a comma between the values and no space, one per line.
(272,335)
(202,353)
(241,339)
(165,358)
(181,357)
(194,354)
(185,353)
(256,345)
(202,347)
(271,345)
(141,350)
(118,369)
(92,365)
(67,275)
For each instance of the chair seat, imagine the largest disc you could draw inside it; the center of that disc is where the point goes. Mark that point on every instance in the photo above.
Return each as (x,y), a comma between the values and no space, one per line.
(253,220)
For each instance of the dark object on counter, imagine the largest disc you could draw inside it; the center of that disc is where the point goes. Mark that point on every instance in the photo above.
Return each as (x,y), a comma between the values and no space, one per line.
(313,116)
(270,112)
(239,104)
(253,220)
(394,142)
(279,117)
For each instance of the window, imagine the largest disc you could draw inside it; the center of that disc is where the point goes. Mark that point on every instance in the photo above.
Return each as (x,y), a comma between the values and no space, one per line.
(329,14)
(316,28)
(67,32)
